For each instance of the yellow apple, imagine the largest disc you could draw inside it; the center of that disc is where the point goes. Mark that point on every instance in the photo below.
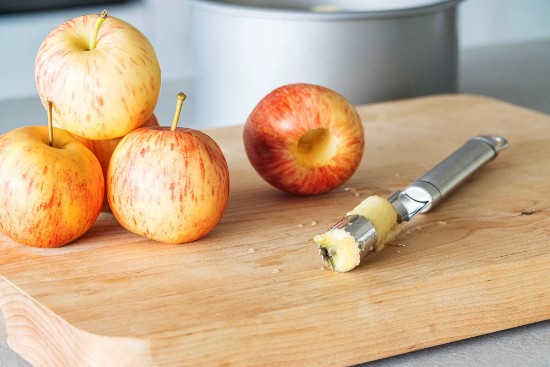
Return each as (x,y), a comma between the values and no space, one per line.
(49,195)
(102,73)
(170,184)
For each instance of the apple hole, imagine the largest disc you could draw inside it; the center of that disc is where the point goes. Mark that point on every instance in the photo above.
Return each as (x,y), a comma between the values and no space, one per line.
(317,147)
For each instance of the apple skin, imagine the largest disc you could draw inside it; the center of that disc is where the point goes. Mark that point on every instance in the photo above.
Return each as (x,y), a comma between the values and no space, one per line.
(278,128)
(169,186)
(102,93)
(103,150)
(49,196)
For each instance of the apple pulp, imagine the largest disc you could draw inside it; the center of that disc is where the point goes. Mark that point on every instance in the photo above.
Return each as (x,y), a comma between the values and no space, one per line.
(170,186)
(304,139)
(49,195)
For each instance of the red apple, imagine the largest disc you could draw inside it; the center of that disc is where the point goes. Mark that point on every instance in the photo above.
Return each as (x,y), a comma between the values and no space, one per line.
(102,73)
(304,139)
(168,184)
(103,150)
(51,190)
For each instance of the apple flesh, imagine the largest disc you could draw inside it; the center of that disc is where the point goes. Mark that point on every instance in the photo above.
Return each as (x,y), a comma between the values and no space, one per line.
(169,186)
(49,195)
(304,139)
(102,73)
(103,150)
(340,249)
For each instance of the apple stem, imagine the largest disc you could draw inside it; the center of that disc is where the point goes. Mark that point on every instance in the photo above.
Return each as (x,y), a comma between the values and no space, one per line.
(98,23)
(181,98)
(50,123)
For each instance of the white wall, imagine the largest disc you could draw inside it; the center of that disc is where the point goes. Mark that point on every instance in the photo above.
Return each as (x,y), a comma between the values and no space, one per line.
(166,24)
(491,22)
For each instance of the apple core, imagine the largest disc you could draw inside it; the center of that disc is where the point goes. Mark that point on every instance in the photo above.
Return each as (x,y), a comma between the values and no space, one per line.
(317,147)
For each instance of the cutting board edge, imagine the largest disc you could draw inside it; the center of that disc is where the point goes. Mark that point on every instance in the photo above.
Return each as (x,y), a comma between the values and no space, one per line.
(515,309)
(42,337)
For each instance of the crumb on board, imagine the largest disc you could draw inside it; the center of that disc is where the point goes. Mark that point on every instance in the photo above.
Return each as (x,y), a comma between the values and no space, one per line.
(275,271)
(441,222)
(313,223)
(250,250)
(353,190)
(300,225)
(396,244)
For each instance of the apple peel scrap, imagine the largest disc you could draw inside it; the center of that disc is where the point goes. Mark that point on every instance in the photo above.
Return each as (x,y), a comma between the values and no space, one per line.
(341,250)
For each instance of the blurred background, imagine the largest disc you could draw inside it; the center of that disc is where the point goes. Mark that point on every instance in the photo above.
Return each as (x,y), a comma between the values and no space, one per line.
(503,52)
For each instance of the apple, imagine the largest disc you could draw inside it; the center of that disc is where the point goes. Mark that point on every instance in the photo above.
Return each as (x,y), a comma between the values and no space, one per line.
(51,190)
(169,184)
(102,73)
(103,150)
(304,139)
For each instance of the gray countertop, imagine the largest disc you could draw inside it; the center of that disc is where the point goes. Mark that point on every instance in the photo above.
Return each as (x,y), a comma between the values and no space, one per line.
(517,73)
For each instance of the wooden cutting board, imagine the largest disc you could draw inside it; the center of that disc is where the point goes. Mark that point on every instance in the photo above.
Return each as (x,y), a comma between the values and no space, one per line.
(254,292)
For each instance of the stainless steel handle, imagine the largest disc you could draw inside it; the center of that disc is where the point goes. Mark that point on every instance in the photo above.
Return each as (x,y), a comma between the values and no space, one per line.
(428,190)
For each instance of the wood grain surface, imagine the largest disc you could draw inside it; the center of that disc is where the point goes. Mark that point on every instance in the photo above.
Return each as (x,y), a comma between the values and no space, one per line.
(254,291)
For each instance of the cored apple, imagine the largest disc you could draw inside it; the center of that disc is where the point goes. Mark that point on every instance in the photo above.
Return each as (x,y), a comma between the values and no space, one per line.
(51,186)
(169,184)
(304,139)
(101,72)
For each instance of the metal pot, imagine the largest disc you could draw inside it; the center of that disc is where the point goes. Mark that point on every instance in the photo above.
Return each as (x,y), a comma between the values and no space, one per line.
(367,50)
